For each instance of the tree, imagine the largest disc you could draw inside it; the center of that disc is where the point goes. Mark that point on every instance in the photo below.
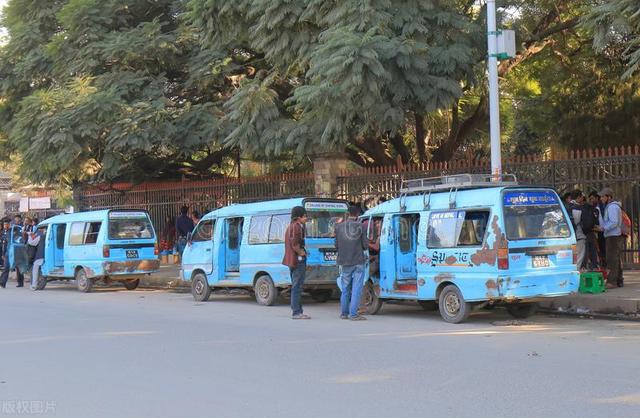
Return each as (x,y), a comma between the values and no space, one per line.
(97,89)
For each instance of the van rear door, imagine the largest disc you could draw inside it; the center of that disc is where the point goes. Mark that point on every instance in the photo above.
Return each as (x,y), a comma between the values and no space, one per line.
(320,228)
(131,236)
(538,231)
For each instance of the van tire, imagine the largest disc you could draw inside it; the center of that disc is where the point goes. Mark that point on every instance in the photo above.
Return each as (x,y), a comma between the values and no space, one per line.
(200,288)
(321,296)
(131,284)
(265,291)
(370,300)
(84,283)
(453,308)
(428,305)
(522,310)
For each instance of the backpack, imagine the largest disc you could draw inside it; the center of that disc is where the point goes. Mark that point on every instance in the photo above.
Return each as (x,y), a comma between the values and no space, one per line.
(588,218)
(625,225)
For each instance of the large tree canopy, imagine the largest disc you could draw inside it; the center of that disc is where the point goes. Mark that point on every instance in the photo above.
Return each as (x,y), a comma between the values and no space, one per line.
(130,89)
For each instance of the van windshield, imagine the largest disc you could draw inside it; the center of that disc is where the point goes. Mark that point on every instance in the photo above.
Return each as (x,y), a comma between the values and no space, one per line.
(534,214)
(322,218)
(130,225)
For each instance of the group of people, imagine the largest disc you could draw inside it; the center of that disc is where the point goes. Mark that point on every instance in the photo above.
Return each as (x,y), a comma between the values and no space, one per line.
(599,224)
(33,240)
(351,243)
(176,230)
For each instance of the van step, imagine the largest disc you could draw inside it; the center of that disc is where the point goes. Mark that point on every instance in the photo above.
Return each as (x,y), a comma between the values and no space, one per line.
(406,286)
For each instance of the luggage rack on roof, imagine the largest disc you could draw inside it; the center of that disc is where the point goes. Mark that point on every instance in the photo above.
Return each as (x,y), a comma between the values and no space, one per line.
(452,183)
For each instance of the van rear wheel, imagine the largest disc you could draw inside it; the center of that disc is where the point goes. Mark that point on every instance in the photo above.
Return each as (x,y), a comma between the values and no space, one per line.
(453,308)
(370,300)
(84,283)
(131,284)
(200,287)
(265,291)
(522,310)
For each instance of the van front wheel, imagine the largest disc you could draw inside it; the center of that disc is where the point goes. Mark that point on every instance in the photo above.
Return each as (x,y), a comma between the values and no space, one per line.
(84,283)
(522,310)
(453,308)
(200,287)
(265,291)
(131,284)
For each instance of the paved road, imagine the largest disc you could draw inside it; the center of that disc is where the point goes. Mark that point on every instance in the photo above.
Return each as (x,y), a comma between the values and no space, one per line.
(115,353)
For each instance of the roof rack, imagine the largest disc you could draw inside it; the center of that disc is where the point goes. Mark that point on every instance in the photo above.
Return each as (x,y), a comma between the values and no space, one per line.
(452,184)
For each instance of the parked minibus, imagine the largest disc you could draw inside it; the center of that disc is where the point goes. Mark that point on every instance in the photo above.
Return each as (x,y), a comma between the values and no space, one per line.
(460,242)
(242,246)
(109,245)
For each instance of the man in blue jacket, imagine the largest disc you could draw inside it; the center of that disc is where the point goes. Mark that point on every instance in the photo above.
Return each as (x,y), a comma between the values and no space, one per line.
(611,227)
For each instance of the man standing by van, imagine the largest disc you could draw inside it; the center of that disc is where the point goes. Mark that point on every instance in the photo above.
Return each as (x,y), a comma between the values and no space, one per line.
(351,241)
(576,205)
(36,239)
(4,251)
(611,226)
(295,257)
(184,226)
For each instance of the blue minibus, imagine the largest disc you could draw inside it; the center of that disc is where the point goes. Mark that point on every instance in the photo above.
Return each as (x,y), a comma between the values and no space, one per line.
(242,246)
(460,242)
(109,245)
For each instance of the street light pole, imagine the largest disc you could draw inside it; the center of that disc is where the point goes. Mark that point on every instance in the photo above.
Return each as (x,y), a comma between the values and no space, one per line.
(494,103)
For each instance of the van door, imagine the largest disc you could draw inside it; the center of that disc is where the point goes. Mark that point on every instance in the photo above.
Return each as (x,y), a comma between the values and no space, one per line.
(57,241)
(233,238)
(200,248)
(17,252)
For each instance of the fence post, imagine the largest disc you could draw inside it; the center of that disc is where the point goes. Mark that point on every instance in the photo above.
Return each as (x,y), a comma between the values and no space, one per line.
(326,169)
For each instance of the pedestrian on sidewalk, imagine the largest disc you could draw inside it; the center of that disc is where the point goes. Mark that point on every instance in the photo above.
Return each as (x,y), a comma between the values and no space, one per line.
(576,205)
(599,245)
(184,226)
(611,226)
(4,250)
(351,243)
(295,257)
(37,240)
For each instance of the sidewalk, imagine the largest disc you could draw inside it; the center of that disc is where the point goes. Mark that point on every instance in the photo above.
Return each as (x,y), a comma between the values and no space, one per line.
(621,301)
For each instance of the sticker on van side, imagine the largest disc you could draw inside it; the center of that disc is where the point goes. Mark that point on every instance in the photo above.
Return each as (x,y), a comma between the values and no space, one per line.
(530,198)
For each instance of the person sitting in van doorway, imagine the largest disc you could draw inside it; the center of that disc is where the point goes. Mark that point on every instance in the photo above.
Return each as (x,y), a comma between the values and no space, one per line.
(4,251)
(351,242)
(576,205)
(184,226)
(295,257)
(611,226)
(36,239)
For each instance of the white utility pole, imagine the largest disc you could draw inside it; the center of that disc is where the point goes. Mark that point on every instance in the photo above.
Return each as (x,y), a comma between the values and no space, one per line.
(494,97)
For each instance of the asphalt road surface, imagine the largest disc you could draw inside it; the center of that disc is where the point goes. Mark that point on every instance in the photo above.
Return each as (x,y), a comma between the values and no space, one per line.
(115,353)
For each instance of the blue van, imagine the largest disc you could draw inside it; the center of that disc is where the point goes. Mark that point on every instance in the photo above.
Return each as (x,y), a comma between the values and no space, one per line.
(242,246)
(464,241)
(109,245)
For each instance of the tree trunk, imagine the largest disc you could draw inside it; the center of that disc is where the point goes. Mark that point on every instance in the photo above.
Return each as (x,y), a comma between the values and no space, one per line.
(421,145)
(398,143)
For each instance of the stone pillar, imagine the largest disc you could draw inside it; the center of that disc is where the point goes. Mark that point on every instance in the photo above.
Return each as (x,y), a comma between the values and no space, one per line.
(326,169)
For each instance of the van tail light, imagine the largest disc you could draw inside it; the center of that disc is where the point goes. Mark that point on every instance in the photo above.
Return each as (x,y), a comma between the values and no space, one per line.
(574,250)
(106,252)
(503,255)
(156,249)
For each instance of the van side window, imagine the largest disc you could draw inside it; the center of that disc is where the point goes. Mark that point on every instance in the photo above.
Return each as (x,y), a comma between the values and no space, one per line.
(76,235)
(259,229)
(204,231)
(279,224)
(457,228)
(406,232)
(92,230)
(60,231)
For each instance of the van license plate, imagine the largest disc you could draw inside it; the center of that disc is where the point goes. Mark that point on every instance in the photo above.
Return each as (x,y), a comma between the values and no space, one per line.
(540,261)
(330,256)
(132,253)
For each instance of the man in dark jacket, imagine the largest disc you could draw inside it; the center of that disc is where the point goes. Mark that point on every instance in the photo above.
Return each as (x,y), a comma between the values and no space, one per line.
(184,226)
(37,240)
(351,241)
(4,251)
(295,257)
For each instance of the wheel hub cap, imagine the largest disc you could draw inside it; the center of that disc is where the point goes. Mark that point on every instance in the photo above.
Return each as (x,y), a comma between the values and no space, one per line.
(452,304)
